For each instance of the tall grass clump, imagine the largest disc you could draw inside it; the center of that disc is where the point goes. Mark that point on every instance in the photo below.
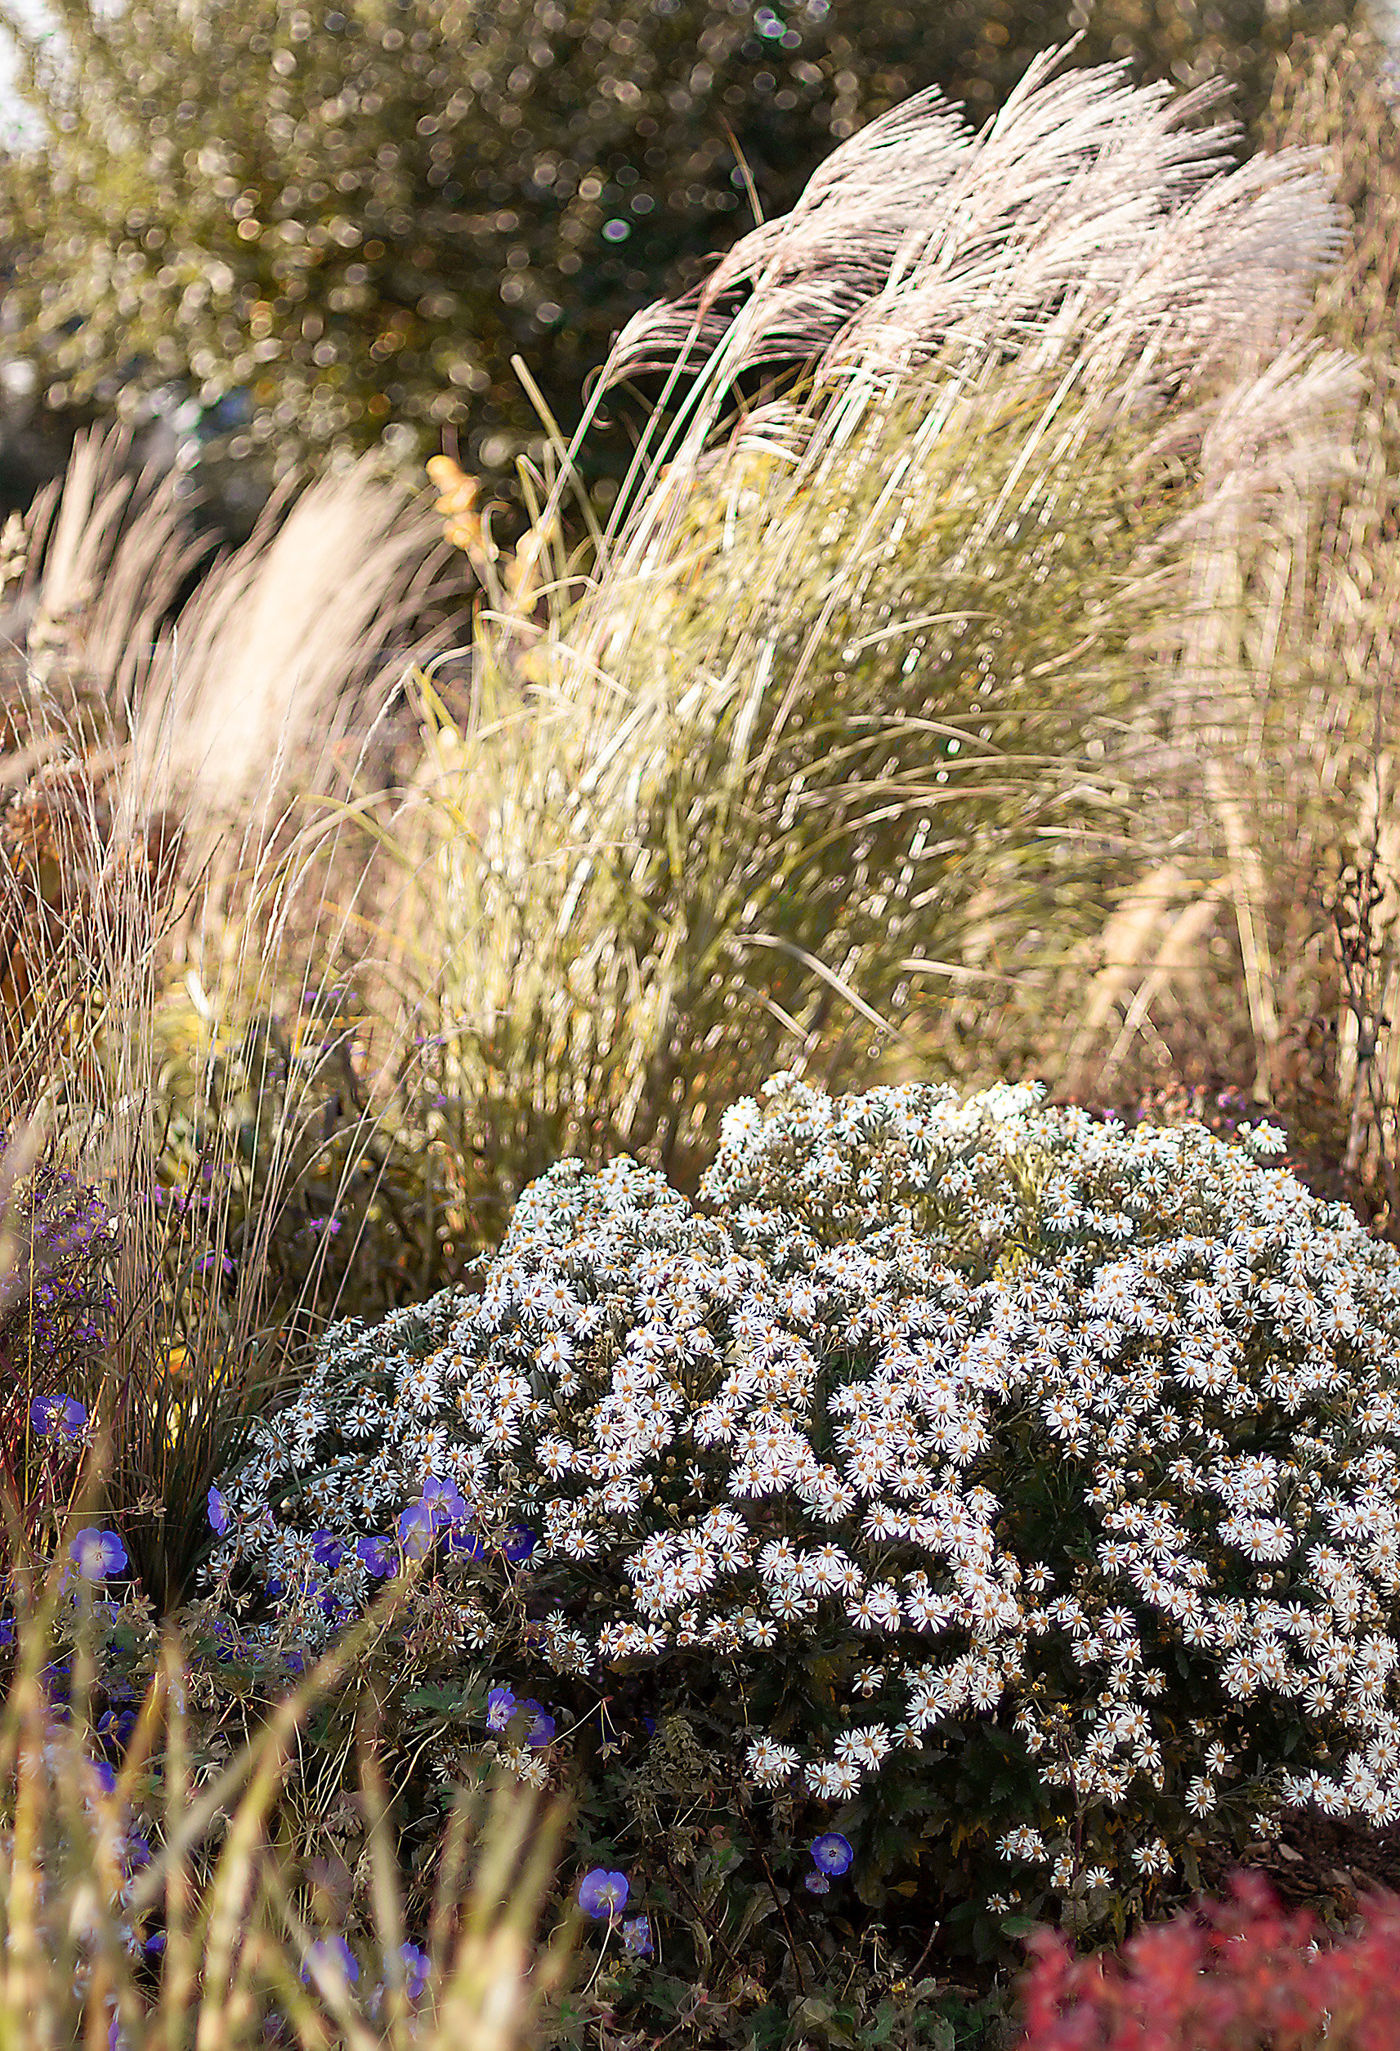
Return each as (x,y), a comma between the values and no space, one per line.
(186,939)
(1258,952)
(843,702)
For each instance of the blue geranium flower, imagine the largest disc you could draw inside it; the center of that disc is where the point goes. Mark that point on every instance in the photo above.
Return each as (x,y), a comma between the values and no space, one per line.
(603,1895)
(218,1512)
(417,1528)
(831,1853)
(501,1706)
(335,1954)
(541,1727)
(416,1969)
(65,1414)
(518,1543)
(445,1499)
(327,1550)
(636,1935)
(376,1555)
(97,1553)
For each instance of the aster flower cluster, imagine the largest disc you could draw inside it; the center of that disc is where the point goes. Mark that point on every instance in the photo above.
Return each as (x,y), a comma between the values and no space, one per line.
(1089,1433)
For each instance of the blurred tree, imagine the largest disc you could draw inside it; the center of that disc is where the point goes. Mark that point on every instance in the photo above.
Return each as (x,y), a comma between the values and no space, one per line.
(337,226)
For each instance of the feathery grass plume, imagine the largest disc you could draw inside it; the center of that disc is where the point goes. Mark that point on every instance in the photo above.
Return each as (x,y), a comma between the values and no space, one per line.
(1273,957)
(873,686)
(1088,211)
(292,643)
(1336,857)
(108,549)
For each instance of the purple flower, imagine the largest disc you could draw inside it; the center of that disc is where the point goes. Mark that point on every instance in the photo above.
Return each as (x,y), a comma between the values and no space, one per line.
(501,1706)
(218,1512)
(97,1553)
(106,1778)
(603,1895)
(155,1943)
(442,1495)
(333,1953)
(417,1966)
(135,1851)
(376,1555)
(817,1883)
(636,1935)
(465,1542)
(65,1414)
(417,1529)
(209,1260)
(327,1550)
(7,1630)
(518,1544)
(831,1853)
(541,1727)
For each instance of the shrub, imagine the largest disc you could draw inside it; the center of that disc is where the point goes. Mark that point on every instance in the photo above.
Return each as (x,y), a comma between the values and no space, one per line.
(1237,1974)
(977,1471)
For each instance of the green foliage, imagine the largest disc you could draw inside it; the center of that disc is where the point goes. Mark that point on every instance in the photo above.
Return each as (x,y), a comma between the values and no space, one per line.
(360,216)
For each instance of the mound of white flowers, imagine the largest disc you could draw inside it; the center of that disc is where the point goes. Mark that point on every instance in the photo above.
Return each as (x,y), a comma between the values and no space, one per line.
(1026,1419)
